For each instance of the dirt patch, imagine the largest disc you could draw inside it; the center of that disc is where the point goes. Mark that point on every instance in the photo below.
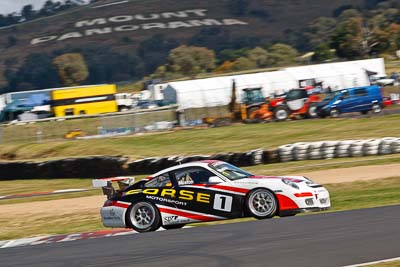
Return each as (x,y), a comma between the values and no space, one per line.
(92,204)
(352,174)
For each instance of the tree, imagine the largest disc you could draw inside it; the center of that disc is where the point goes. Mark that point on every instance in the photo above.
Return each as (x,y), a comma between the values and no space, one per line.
(348,38)
(191,59)
(232,54)
(72,69)
(320,31)
(322,52)
(154,51)
(27,12)
(260,56)
(37,70)
(243,63)
(282,54)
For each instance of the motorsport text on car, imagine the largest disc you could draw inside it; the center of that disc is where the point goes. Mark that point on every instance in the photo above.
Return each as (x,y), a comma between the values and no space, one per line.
(206,191)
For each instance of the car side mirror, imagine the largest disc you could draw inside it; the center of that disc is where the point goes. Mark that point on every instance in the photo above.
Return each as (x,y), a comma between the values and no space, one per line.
(214,180)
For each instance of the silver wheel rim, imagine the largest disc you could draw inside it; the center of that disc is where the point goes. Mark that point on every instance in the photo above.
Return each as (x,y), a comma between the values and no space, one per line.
(142,215)
(376,108)
(334,113)
(262,203)
(312,112)
(281,114)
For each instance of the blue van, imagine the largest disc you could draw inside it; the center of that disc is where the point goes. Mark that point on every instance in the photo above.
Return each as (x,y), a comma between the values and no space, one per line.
(357,99)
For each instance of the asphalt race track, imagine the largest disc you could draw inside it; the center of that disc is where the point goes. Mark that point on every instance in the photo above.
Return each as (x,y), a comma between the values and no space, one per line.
(329,239)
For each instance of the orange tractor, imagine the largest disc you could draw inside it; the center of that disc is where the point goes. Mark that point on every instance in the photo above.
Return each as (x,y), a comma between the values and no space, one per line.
(254,107)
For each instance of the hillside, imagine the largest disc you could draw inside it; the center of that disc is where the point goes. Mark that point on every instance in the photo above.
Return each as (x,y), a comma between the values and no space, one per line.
(125,26)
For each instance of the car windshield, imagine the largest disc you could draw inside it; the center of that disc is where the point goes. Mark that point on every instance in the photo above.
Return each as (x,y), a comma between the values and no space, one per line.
(332,95)
(296,94)
(229,171)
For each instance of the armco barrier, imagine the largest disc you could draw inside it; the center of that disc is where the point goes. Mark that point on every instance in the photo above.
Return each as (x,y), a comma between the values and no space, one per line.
(108,166)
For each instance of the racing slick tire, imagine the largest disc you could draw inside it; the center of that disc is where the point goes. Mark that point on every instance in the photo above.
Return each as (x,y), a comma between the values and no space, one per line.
(312,111)
(173,226)
(261,203)
(281,113)
(143,217)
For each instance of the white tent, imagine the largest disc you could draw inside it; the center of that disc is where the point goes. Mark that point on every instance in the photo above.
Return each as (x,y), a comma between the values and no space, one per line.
(216,91)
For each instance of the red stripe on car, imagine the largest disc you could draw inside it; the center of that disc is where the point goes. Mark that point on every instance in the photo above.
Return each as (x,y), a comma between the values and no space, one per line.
(285,203)
(109,203)
(223,187)
(188,215)
(305,194)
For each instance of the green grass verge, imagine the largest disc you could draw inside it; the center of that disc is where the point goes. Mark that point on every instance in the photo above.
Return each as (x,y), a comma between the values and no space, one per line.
(386,264)
(212,140)
(344,196)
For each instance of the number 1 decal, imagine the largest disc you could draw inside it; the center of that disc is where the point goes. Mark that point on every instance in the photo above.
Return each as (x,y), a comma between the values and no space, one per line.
(223,202)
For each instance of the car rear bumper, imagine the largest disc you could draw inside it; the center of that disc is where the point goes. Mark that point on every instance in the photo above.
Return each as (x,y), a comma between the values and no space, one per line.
(113,216)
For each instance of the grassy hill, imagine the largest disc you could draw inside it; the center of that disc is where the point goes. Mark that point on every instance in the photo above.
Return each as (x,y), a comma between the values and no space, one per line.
(123,27)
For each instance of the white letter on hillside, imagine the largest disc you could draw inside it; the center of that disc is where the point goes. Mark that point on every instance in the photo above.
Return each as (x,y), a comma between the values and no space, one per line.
(90,22)
(179,14)
(178,24)
(204,22)
(97,31)
(120,18)
(151,16)
(233,22)
(70,35)
(125,28)
(43,39)
(153,25)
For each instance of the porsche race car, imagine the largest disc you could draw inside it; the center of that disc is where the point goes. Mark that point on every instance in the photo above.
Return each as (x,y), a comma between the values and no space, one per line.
(206,191)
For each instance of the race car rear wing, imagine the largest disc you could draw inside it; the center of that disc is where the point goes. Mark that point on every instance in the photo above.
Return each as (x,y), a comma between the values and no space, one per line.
(107,184)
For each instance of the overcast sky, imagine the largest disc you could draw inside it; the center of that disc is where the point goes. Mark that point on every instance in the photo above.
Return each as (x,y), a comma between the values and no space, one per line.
(9,6)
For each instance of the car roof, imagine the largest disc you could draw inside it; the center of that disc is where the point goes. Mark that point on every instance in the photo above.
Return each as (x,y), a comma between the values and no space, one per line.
(202,163)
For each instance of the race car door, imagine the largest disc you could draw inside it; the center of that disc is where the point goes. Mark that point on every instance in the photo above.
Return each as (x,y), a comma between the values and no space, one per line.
(207,200)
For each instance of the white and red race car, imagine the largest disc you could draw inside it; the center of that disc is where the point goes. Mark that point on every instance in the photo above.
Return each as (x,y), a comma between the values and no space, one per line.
(206,191)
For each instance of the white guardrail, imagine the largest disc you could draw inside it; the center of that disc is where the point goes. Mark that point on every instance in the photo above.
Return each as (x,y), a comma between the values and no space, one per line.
(339,149)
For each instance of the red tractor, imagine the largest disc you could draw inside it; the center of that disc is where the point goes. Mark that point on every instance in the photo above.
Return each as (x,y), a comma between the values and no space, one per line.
(297,102)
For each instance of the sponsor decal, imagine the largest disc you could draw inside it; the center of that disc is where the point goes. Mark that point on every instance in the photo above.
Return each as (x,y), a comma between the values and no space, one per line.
(173,194)
(167,200)
(171,218)
(139,22)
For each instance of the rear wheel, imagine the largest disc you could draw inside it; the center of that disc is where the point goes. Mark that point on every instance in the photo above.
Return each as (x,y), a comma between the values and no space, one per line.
(143,217)
(173,226)
(312,110)
(376,108)
(281,113)
(364,112)
(261,204)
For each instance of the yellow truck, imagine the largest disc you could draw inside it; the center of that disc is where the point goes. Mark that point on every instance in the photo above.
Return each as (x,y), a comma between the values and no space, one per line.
(84,100)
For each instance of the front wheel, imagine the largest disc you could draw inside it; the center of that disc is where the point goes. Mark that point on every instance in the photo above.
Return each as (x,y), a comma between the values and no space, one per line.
(143,217)
(312,110)
(334,113)
(281,113)
(376,108)
(261,204)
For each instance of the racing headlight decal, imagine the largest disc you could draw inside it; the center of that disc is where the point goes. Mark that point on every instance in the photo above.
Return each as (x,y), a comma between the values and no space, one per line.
(289,182)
